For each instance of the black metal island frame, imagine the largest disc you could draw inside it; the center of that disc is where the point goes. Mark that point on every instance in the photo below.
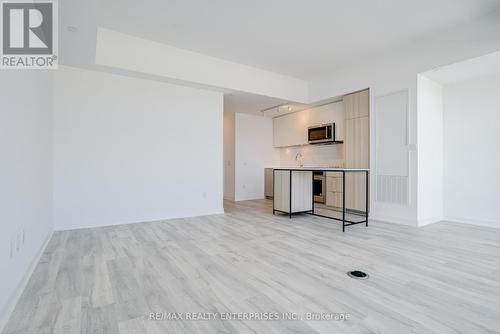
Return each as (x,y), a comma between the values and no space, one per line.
(293,187)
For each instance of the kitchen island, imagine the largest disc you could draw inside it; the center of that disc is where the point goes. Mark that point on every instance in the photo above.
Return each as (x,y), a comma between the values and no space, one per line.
(293,193)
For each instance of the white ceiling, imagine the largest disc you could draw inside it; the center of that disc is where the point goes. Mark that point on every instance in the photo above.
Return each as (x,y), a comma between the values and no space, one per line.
(471,68)
(297,38)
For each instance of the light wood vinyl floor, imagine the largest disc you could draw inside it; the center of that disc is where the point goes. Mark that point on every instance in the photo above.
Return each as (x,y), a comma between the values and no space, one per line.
(443,278)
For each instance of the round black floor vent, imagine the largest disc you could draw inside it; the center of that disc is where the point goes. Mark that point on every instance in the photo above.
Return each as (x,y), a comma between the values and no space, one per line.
(357,274)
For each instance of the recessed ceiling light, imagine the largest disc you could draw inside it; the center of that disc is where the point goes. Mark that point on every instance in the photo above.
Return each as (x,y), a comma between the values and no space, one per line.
(72,28)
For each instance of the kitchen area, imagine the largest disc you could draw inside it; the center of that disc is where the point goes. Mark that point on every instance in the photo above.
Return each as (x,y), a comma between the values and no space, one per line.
(317,159)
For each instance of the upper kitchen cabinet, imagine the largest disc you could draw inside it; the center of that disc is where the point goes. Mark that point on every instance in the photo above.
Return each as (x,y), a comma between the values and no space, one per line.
(329,113)
(357,104)
(291,129)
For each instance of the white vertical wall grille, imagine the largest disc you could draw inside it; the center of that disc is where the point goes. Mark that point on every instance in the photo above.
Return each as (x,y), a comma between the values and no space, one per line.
(392,189)
(391,148)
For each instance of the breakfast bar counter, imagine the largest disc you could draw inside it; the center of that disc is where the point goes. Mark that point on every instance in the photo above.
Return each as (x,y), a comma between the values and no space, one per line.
(293,193)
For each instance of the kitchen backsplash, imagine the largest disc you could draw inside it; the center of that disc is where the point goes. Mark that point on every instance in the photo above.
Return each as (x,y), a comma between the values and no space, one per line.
(313,155)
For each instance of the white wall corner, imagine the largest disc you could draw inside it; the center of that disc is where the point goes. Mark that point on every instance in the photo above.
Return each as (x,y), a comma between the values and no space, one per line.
(471,117)
(14,297)
(429,221)
(430,151)
(252,155)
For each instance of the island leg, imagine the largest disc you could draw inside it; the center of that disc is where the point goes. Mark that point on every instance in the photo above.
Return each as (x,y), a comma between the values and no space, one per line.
(290,193)
(312,192)
(343,201)
(367,193)
(274,191)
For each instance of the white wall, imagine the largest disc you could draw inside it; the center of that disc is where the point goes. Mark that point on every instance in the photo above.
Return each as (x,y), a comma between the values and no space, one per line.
(25,178)
(229,141)
(471,159)
(253,152)
(430,151)
(131,150)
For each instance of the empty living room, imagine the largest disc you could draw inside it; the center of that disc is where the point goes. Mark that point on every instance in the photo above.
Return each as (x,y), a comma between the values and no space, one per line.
(255,166)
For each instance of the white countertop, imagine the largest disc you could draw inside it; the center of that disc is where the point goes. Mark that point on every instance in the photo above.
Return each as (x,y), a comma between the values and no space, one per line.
(323,169)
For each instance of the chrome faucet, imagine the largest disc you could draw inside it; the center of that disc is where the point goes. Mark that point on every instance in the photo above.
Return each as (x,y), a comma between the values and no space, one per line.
(298,159)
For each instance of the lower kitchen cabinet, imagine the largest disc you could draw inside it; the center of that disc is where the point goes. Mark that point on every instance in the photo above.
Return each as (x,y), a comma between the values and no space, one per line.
(334,190)
(355,196)
(334,199)
(301,191)
(268,182)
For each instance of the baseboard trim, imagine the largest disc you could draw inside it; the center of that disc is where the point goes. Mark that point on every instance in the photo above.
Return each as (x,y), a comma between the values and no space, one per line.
(471,221)
(429,221)
(408,222)
(393,220)
(248,198)
(218,211)
(14,297)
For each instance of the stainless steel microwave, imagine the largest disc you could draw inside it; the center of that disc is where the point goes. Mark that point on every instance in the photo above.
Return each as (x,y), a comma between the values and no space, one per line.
(323,133)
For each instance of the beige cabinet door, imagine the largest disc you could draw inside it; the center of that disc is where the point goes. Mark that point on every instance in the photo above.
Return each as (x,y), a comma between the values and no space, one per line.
(357,143)
(268,182)
(282,190)
(334,199)
(357,104)
(357,147)
(301,196)
(334,189)
(349,106)
(290,129)
(279,132)
(355,191)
